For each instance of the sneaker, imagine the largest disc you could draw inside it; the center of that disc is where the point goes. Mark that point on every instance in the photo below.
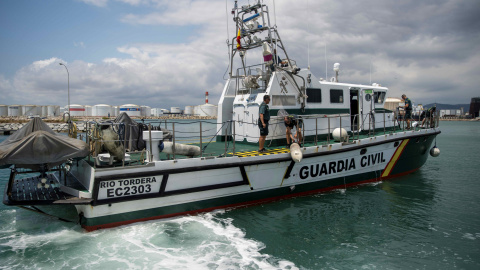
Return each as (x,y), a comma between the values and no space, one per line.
(262,150)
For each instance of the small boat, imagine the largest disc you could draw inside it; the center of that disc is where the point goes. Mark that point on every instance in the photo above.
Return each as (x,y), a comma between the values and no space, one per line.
(129,172)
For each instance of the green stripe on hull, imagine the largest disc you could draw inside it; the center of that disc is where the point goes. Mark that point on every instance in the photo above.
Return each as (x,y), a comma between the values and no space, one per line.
(414,155)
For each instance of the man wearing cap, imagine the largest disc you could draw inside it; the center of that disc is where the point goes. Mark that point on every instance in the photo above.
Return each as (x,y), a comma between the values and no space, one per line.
(408,109)
(264,113)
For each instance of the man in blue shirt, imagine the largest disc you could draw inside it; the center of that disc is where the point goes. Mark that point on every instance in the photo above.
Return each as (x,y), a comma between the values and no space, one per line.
(264,113)
(408,109)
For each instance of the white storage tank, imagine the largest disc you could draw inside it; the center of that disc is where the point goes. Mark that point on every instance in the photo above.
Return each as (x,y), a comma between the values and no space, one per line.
(131,110)
(207,110)
(146,111)
(3,110)
(53,110)
(102,110)
(156,112)
(76,110)
(15,110)
(30,110)
(42,110)
(116,110)
(188,110)
(175,110)
(88,110)
(458,112)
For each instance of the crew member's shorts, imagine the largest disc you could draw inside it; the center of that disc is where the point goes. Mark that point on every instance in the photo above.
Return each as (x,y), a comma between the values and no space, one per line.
(422,115)
(299,123)
(408,114)
(263,131)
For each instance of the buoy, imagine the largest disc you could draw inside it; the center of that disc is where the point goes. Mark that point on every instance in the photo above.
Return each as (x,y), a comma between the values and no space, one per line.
(337,136)
(434,152)
(296,152)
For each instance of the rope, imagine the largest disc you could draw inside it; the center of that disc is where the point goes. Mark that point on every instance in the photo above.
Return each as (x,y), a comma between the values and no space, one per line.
(213,137)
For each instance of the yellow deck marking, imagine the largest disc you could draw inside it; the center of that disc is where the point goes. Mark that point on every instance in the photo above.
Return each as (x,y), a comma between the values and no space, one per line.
(256,153)
(394,159)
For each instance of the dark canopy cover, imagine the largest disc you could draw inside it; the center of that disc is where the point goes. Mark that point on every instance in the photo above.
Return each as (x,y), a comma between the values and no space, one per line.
(36,144)
(133,132)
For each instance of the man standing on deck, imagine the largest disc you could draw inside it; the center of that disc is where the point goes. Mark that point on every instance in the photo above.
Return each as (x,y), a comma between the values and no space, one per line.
(408,109)
(264,113)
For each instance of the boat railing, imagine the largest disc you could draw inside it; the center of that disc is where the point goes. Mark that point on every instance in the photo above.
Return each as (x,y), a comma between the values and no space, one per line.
(316,130)
(258,73)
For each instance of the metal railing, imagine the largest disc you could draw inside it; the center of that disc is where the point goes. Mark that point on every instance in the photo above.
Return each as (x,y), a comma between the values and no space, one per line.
(317,131)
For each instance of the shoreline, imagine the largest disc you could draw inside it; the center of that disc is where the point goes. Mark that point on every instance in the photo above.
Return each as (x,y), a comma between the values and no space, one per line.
(59,119)
(9,125)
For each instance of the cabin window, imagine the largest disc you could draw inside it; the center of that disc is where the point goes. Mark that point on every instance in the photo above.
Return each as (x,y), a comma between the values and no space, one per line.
(379,97)
(283,100)
(314,95)
(336,96)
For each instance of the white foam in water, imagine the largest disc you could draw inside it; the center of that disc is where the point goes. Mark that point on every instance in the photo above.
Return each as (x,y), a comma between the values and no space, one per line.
(192,242)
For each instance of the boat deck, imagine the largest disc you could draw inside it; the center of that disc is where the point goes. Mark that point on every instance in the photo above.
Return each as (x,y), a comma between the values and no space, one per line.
(32,191)
(251,149)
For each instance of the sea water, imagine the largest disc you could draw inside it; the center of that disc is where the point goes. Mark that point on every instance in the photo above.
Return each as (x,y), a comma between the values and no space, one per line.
(429,219)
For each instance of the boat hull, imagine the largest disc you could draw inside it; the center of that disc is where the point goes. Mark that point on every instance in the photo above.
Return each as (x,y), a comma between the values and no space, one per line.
(259,179)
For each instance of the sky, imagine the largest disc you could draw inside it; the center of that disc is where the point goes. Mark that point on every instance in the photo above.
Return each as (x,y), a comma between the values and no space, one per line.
(164,53)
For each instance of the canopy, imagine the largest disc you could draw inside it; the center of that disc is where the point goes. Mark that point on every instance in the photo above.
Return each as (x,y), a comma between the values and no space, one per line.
(37,144)
(133,132)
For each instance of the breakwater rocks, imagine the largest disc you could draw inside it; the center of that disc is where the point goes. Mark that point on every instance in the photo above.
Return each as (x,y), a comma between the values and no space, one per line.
(57,127)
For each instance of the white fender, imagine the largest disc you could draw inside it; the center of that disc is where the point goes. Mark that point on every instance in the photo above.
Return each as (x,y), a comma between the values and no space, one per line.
(296,152)
(181,149)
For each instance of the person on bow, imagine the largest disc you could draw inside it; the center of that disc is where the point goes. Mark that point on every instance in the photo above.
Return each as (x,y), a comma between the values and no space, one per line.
(429,114)
(408,109)
(290,122)
(264,117)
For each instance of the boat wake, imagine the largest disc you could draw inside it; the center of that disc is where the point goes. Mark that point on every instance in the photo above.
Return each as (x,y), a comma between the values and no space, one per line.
(205,241)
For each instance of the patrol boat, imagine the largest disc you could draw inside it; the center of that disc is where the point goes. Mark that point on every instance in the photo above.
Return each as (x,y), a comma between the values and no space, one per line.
(128,172)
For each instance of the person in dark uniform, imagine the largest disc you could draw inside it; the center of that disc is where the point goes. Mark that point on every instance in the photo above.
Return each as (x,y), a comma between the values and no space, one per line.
(408,109)
(292,121)
(264,113)
(429,114)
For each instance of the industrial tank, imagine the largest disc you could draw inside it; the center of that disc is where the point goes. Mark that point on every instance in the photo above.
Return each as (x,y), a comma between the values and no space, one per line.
(102,110)
(175,110)
(188,110)
(15,110)
(207,110)
(115,110)
(131,110)
(156,112)
(76,110)
(88,110)
(53,110)
(146,111)
(3,110)
(42,110)
(30,110)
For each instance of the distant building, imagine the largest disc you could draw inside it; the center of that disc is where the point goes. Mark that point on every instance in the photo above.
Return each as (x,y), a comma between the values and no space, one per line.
(475,107)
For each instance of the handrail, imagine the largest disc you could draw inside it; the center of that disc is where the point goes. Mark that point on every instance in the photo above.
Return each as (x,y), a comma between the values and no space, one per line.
(203,135)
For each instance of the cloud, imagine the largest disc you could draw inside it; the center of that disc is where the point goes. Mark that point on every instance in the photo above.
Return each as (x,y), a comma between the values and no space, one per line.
(79,44)
(429,50)
(98,3)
